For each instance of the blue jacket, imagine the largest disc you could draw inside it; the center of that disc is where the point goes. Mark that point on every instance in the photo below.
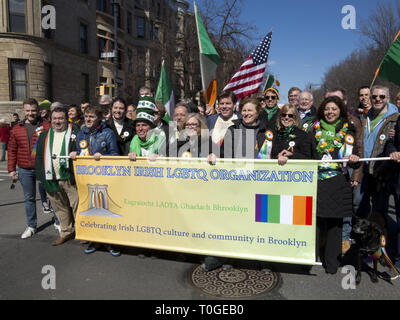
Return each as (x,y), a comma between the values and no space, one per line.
(101,140)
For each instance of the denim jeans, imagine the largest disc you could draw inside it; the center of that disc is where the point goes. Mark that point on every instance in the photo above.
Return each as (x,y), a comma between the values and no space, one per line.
(3,150)
(27,177)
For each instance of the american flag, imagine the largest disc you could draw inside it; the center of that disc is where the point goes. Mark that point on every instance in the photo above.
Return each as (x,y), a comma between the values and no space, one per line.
(250,75)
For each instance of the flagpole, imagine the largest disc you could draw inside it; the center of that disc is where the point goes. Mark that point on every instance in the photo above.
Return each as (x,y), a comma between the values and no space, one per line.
(380,65)
(198,38)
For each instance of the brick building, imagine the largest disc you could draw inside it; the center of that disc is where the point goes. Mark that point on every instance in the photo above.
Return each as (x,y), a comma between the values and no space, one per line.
(64,64)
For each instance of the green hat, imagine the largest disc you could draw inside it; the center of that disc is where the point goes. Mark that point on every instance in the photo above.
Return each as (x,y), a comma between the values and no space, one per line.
(146,104)
(144,115)
(45,104)
(276,91)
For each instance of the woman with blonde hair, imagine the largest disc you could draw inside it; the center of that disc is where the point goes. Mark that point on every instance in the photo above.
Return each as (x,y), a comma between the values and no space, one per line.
(194,138)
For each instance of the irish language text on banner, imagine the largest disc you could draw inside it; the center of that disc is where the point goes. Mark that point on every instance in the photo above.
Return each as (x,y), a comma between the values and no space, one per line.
(246,210)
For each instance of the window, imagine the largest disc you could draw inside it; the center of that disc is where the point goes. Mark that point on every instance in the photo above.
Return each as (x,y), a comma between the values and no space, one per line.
(140,27)
(16,15)
(18,79)
(83,34)
(129,22)
(102,5)
(48,81)
(85,86)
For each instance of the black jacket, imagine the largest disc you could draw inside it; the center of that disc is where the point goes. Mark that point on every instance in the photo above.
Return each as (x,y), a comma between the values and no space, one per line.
(124,139)
(303,145)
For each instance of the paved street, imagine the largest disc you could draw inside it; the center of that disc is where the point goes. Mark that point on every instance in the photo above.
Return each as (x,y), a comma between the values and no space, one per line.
(138,273)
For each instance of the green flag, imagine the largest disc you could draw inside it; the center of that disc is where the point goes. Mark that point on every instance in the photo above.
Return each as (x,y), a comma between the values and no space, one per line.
(165,94)
(390,66)
(209,61)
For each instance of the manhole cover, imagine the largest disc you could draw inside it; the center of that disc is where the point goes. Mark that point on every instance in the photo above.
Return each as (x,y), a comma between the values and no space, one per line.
(233,283)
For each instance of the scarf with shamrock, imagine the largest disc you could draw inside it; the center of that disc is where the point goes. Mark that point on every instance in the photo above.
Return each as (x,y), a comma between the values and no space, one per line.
(284,132)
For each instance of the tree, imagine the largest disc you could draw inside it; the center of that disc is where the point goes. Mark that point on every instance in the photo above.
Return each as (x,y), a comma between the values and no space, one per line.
(358,69)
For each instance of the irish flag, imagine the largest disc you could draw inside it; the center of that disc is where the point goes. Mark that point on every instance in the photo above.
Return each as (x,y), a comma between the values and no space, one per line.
(209,61)
(281,209)
(165,94)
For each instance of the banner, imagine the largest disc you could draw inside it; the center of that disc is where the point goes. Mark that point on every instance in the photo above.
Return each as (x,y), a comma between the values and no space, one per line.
(255,210)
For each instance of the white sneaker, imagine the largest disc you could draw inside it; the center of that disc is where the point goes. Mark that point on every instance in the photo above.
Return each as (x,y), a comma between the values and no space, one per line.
(29,232)
(46,208)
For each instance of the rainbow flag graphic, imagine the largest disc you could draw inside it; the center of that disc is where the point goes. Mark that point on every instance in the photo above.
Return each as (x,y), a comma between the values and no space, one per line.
(288,210)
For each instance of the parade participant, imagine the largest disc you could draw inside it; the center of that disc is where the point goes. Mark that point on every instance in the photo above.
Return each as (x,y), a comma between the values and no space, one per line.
(96,140)
(44,109)
(84,105)
(16,119)
(240,138)
(219,123)
(75,116)
(122,127)
(393,150)
(306,110)
(21,152)
(365,102)
(397,101)
(270,112)
(131,112)
(285,140)
(159,115)
(57,175)
(334,139)
(5,131)
(105,106)
(377,125)
(194,140)
(293,95)
(355,175)
(148,141)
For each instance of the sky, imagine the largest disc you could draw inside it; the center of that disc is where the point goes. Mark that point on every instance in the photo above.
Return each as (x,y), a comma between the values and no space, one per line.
(308,37)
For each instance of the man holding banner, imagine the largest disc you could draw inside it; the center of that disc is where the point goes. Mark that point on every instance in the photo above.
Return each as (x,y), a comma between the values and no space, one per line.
(56,174)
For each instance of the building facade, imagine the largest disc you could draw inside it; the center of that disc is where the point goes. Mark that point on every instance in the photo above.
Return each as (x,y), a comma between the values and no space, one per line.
(52,49)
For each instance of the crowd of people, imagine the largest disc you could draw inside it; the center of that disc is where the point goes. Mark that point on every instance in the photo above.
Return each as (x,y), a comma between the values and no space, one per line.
(43,145)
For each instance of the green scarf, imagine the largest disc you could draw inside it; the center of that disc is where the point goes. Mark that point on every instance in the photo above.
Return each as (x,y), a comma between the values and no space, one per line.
(51,184)
(271,112)
(329,132)
(153,145)
(285,132)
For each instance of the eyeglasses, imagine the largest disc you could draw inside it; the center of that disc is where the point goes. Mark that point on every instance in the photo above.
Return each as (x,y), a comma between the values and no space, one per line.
(191,125)
(382,97)
(270,97)
(284,115)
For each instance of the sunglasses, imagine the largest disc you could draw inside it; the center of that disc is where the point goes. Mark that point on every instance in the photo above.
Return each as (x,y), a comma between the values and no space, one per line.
(284,115)
(270,97)
(382,97)
(191,125)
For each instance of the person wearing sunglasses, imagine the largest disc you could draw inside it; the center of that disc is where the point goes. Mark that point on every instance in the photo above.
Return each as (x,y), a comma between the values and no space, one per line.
(270,113)
(377,126)
(285,140)
(333,138)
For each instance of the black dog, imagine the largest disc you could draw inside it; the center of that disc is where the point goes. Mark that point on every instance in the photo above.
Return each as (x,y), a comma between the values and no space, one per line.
(366,235)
